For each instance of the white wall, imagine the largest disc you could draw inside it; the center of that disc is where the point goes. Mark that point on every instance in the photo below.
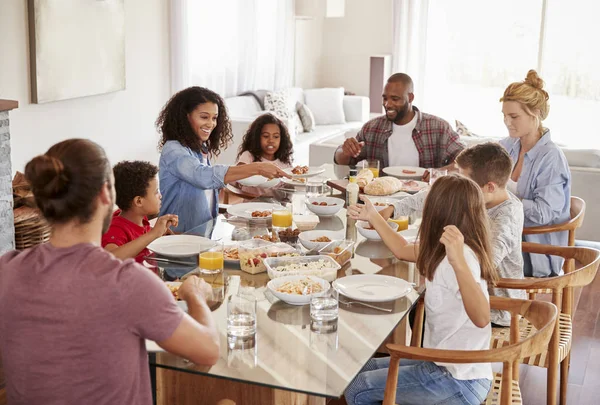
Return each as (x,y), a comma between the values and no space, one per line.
(308,50)
(349,42)
(122,122)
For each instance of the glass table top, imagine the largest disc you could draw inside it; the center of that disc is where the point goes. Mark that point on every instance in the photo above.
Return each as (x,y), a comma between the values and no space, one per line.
(288,353)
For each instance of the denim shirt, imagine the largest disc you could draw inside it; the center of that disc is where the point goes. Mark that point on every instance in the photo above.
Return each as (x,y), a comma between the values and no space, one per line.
(545,189)
(184,175)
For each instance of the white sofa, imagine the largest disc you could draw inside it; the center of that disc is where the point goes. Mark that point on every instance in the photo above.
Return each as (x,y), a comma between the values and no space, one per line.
(584,164)
(245,109)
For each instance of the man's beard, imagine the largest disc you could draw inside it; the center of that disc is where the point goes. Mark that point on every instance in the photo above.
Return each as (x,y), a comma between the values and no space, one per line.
(107,221)
(400,114)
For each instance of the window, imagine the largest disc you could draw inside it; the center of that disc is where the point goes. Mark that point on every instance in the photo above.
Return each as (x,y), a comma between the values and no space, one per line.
(474,49)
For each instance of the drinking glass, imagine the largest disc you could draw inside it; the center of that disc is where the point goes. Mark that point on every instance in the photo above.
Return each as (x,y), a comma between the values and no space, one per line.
(211,261)
(435,174)
(372,165)
(241,316)
(242,353)
(324,339)
(314,187)
(402,222)
(282,216)
(324,309)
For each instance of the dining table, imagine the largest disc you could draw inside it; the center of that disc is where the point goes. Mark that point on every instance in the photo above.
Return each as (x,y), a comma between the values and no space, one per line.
(289,361)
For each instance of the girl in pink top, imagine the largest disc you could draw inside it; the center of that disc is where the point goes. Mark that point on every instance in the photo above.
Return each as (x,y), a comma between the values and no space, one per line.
(267,140)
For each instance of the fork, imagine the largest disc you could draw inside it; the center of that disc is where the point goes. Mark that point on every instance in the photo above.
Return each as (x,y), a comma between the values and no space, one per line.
(350,303)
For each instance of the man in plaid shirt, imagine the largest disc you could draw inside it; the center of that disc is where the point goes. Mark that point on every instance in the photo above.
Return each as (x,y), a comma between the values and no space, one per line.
(404,136)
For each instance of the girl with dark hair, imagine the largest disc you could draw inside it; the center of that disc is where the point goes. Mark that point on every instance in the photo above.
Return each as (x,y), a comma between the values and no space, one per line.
(454,256)
(195,127)
(267,140)
(83,315)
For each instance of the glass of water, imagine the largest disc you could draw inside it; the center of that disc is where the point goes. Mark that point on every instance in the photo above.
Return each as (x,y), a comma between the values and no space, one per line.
(314,187)
(435,174)
(241,316)
(324,309)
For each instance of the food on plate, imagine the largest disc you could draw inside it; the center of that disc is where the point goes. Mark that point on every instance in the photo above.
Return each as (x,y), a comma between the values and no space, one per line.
(383,186)
(368,228)
(174,290)
(261,214)
(299,180)
(252,261)
(412,185)
(298,170)
(380,204)
(288,235)
(364,177)
(321,239)
(304,286)
(305,266)
(268,238)
(409,171)
(231,254)
(340,255)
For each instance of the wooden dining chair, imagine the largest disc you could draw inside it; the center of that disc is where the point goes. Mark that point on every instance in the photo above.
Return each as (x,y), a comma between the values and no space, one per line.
(576,221)
(505,386)
(231,191)
(585,262)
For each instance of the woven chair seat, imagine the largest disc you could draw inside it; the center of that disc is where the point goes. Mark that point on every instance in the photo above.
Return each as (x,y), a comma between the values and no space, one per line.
(501,337)
(493,397)
(539,291)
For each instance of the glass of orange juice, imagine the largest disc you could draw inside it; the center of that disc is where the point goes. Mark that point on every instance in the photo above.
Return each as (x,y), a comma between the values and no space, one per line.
(373,166)
(402,222)
(282,216)
(211,261)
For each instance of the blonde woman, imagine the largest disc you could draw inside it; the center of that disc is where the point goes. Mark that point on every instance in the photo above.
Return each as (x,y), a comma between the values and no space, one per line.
(540,177)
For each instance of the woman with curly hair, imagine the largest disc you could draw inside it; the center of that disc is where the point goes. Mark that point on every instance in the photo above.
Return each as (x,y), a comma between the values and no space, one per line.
(540,176)
(195,127)
(267,140)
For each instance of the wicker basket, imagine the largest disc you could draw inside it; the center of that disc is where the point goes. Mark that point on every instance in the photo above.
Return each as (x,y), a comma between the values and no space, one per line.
(30,228)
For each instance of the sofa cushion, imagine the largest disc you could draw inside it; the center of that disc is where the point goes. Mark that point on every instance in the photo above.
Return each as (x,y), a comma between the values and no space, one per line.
(283,106)
(327,105)
(306,116)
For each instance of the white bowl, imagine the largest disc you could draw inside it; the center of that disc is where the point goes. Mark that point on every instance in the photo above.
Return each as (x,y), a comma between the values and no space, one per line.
(372,234)
(306,222)
(385,201)
(269,183)
(296,299)
(306,238)
(253,181)
(327,210)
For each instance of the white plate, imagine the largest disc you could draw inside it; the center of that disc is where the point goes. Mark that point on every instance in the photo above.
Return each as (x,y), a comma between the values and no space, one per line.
(180,245)
(293,182)
(307,237)
(253,181)
(312,171)
(411,188)
(384,200)
(372,287)
(410,234)
(372,234)
(270,183)
(296,299)
(325,210)
(245,210)
(399,172)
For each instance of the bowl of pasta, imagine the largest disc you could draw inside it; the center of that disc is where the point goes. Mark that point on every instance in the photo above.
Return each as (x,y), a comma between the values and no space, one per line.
(298,290)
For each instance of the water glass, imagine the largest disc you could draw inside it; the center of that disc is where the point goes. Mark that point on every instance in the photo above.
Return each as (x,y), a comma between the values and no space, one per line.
(324,308)
(434,174)
(324,338)
(314,187)
(212,261)
(241,316)
(242,352)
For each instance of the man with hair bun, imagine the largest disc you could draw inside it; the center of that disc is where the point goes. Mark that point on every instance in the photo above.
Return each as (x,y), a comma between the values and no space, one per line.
(73,318)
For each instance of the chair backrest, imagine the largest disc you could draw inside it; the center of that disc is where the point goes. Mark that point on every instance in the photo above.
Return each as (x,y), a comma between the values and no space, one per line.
(577,214)
(540,313)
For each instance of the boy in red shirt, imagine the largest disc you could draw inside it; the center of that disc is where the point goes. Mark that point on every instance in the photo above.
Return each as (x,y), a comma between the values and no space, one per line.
(138,197)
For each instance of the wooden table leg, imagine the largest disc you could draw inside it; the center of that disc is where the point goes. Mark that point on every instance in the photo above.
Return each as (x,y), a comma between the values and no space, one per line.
(176,387)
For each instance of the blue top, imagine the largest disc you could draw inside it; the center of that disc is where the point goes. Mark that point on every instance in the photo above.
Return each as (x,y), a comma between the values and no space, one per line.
(184,175)
(545,189)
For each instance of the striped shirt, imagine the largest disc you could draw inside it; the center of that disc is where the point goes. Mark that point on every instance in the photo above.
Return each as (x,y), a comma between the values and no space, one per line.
(437,143)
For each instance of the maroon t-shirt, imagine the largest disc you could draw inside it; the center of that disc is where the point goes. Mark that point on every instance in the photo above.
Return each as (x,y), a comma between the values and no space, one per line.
(73,323)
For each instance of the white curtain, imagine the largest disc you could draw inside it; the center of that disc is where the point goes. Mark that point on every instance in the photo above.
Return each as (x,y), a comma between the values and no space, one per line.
(410,39)
(231,46)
